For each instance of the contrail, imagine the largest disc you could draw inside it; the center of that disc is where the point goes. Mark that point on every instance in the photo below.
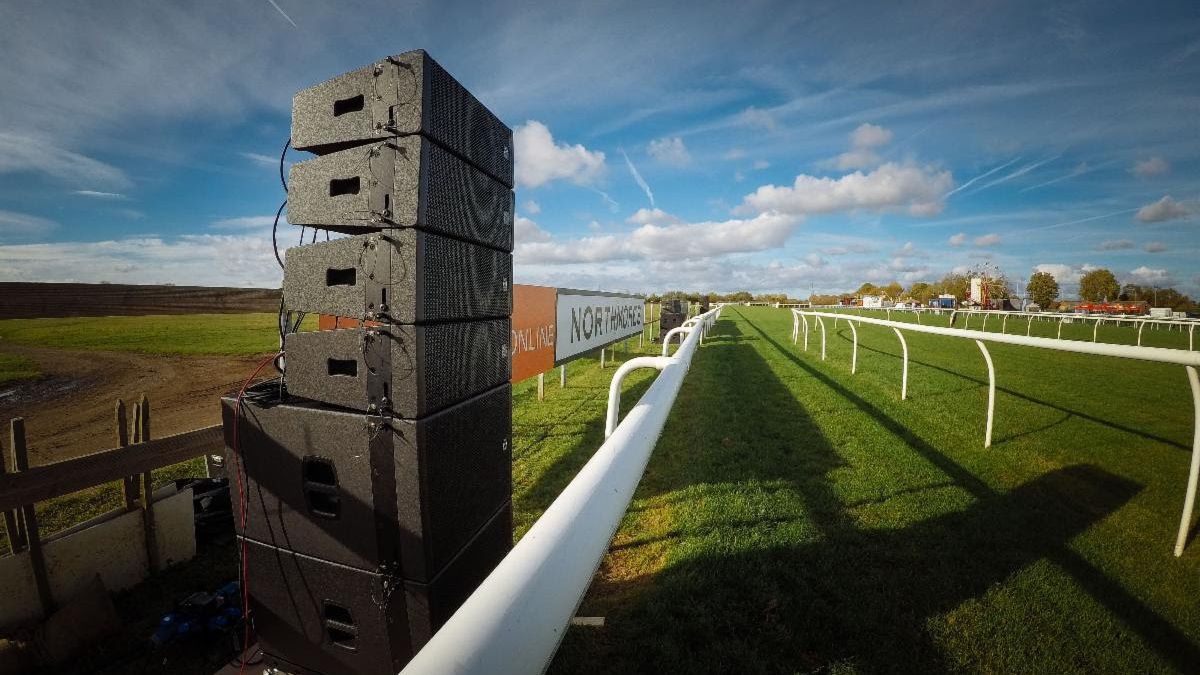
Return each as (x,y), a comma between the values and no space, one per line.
(1020,172)
(638,178)
(1081,220)
(612,203)
(981,176)
(1073,173)
(277,9)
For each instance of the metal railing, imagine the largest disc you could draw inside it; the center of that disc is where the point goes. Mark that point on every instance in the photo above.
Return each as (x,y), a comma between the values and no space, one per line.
(515,620)
(1189,359)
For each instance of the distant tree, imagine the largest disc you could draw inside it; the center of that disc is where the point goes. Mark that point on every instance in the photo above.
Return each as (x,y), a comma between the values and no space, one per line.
(953,284)
(893,290)
(921,292)
(1099,285)
(740,296)
(1043,289)
(867,289)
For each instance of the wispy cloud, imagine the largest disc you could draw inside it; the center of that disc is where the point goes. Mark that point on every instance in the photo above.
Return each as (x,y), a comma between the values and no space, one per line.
(263,160)
(23,224)
(20,153)
(637,177)
(1017,174)
(97,194)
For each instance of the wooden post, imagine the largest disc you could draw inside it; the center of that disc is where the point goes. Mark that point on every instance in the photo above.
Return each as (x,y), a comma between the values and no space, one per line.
(562,376)
(130,484)
(36,558)
(541,386)
(12,524)
(143,422)
(602,357)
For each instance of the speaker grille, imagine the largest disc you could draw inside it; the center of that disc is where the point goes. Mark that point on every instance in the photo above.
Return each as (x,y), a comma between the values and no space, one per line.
(466,203)
(460,122)
(476,283)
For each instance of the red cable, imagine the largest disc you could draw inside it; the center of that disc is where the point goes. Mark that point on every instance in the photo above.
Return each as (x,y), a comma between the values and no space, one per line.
(237,409)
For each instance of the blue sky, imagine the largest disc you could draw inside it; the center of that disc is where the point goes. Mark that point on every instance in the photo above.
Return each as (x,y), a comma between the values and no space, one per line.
(710,146)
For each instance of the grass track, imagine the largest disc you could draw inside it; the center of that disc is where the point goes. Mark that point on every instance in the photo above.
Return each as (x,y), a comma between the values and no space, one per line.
(797,519)
(13,368)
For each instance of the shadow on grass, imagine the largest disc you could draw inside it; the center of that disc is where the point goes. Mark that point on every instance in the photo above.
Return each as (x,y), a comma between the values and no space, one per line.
(1025,397)
(748,596)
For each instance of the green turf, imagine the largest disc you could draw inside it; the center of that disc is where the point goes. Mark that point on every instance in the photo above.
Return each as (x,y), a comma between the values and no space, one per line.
(184,334)
(13,368)
(795,518)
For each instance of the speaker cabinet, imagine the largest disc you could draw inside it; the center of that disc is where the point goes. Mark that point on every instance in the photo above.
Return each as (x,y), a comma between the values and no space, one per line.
(408,370)
(392,495)
(398,96)
(403,182)
(400,276)
(318,617)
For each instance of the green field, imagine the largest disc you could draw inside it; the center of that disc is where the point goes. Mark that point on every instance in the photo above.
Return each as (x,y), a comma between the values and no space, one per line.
(795,518)
(177,334)
(13,368)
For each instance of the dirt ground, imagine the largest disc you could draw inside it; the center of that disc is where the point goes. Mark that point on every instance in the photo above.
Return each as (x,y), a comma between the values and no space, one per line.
(69,410)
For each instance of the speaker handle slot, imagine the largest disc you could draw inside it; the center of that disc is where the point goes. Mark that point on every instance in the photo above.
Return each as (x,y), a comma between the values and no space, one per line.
(341,277)
(342,367)
(320,486)
(339,626)
(344,186)
(348,105)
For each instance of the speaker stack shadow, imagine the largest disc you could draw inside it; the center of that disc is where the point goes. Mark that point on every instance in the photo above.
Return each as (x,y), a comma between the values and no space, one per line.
(378,473)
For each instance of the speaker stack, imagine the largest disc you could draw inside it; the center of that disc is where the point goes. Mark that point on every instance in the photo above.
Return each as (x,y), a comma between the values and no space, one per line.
(377,476)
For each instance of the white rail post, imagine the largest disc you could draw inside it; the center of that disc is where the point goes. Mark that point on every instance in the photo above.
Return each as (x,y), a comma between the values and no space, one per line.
(1004,324)
(985,318)
(795,326)
(904,372)
(805,319)
(681,332)
(1060,325)
(1141,325)
(602,350)
(822,325)
(541,386)
(562,376)
(991,411)
(1189,500)
(1028,326)
(854,350)
(1096,330)
(1191,334)
(614,387)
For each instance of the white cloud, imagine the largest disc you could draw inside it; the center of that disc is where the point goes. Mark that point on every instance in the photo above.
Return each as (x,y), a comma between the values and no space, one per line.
(245,222)
(670,151)
(1065,274)
(1115,245)
(23,224)
(891,186)
(1153,166)
(100,195)
(652,217)
(637,177)
(1148,275)
(1154,247)
(21,153)
(863,142)
(669,241)
(758,118)
(761,164)
(531,207)
(202,260)
(987,240)
(1165,209)
(261,160)
(734,154)
(958,239)
(540,160)
(527,231)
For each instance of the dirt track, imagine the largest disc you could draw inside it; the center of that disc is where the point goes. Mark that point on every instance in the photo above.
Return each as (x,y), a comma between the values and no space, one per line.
(69,410)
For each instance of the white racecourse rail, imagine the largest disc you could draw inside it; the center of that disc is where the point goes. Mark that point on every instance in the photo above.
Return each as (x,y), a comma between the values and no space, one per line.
(1189,359)
(513,623)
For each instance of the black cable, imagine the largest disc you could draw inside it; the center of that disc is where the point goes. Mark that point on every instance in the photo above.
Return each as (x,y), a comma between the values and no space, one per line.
(274,229)
(282,178)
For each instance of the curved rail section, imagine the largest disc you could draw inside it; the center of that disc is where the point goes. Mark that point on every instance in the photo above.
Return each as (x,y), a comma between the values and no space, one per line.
(513,623)
(1189,359)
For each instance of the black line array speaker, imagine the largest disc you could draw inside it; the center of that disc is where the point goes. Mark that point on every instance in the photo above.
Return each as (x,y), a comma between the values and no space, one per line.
(318,617)
(403,182)
(407,370)
(397,496)
(377,473)
(400,276)
(402,95)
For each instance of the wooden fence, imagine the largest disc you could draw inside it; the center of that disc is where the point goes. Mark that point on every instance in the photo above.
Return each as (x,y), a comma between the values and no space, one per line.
(132,462)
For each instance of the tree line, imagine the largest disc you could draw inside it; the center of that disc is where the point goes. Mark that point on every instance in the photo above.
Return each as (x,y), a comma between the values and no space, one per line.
(1098,285)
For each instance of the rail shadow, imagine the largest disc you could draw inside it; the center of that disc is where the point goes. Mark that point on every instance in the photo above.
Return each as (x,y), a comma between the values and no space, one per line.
(759,599)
